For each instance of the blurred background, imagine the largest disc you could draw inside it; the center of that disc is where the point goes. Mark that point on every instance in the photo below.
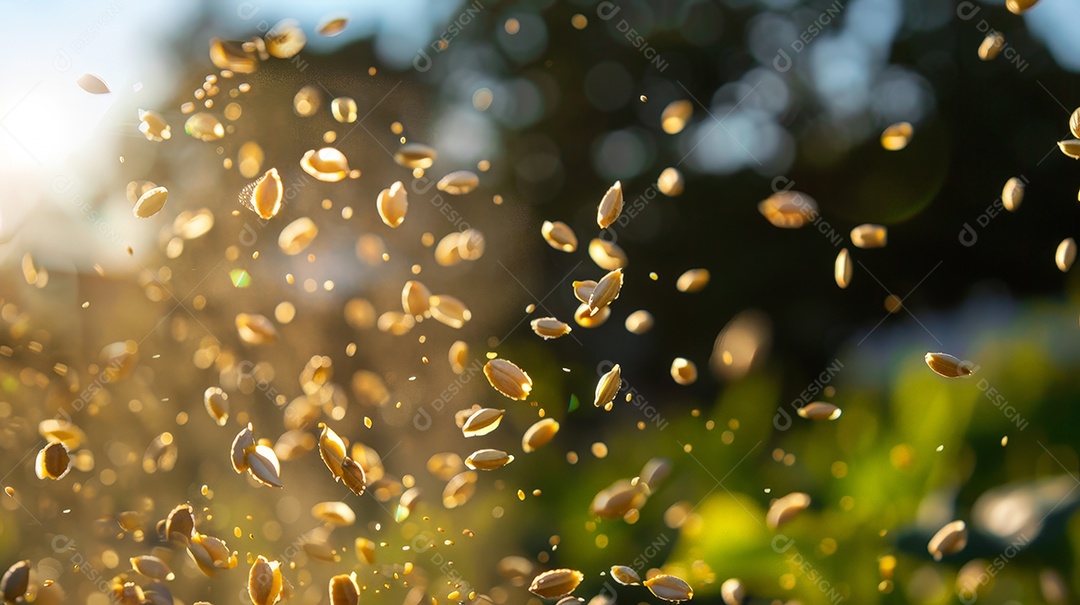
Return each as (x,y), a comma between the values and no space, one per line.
(119,324)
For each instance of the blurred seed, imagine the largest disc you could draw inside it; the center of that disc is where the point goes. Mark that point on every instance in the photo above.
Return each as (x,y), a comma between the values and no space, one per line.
(344,590)
(344,110)
(488,460)
(92,84)
(415,155)
(583,289)
(539,434)
(625,575)
(606,291)
(204,126)
(949,540)
(448,250)
(449,311)
(1074,123)
(415,298)
(193,224)
(991,46)
(843,269)
(683,371)
(693,280)
(639,322)
(334,512)
(153,126)
(365,550)
(675,116)
(611,206)
(255,329)
(549,327)
(819,410)
(151,202)
(732,592)
(1070,148)
(284,41)
(360,314)
(869,236)
(654,472)
(789,209)
(152,567)
(15,582)
(331,27)
(786,508)
(243,441)
(897,136)
(332,450)
(1012,194)
(297,236)
(250,159)
(327,164)
(54,429)
(264,581)
(470,243)
(1019,6)
(586,319)
(353,476)
(669,588)
(670,182)
(180,524)
(392,204)
(608,386)
(230,55)
(607,255)
(1065,254)
(396,323)
(306,101)
(267,194)
(948,366)
(559,235)
(508,379)
(445,465)
(264,466)
(458,356)
(459,182)
(53,462)
(459,489)
(556,583)
(482,422)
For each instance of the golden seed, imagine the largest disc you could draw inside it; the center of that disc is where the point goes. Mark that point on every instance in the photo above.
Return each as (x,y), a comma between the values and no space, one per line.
(611,206)
(180,524)
(329,28)
(488,460)
(267,194)
(1065,254)
(607,255)
(639,322)
(789,209)
(233,56)
(559,235)
(869,236)
(344,590)
(392,204)
(1019,6)
(1012,194)
(949,540)
(608,386)
(843,269)
(948,366)
(482,422)
(92,84)
(897,136)
(625,575)
(332,450)
(508,379)
(353,476)
(549,327)
(249,159)
(327,164)
(669,588)
(1070,148)
(670,182)
(334,512)
(732,592)
(583,289)
(470,243)
(297,236)
(586,319)
(365,550)
(255,329)
(448,250)
(216,402)
(991,46)
(211,554)
(415,155)
(1074,123)
(193,224)
(344,110)
(396,323)
(243,441)
(264,582)
(263,465)
(556,583)
(415,298)
(675,116)
(151,202)
(786,508)
(683,371)
(153,126)
(459,489)
(63,431)
(459,182)
(16,581)
(606,291)
(693,280)
(204,126)
(53,461)
(819,410)
(449,311)
(654,472)
(306,102)
(539,434)
(458,356)
(284,41)
(152,567)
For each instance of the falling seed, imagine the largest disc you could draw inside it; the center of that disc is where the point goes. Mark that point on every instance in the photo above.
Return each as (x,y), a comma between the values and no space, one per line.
(193,224)
(897,136)
(415,298)
(1017,7)
(559,235)
(458,356)
(415,155)
(654,472)
(204,126)
(488,460)
(266,195)
(250,159)
(549,327)
(151,202)
(1012,194)
(789,209)
(216,402)
(470,244)
(639,322)
(344,109)
(683,371)
(607,255)
(16,581)
(869,236)
(448,250)
(991,46)
(948,366)
(585,318)
(153,126)
(180,524)
(263,465)
(392,204)
(332,450)
(606,291)
(92,84)
(1074,123)
(55,429)
(152,567)
(539,434)
(1070,148)
(693,280)
(328,164)
(255,329)
(949,540)
(306,101)
(243,441)
(611,206)
(353,476)
(786,508)
(459,489)
(449,311)
(1065,254)
(608,387)
(625,575)
(458,183)
(233,56)
(670,182)
(669,588)
(331,27)
(482,422)
(583,289)
(297,236)
(508,379)
(675,116)
(334,512)
(344,589)
(819,410)
(733,592)
(843,269)
(556,583)
(53,462)
(284,40)
(211,554)
(264,581)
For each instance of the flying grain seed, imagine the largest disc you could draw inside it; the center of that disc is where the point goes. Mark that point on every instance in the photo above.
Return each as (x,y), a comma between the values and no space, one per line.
(1070,148)
(284,41)
(869,236)
(92,84)
(264,581)
(458,183)
(482,422)
(151,202)
(508,379)
(639,322)
(670,182)
(193,224)
(153,126)
(549,327)
(15,582)
(991,46)
(332,450)
(204,126)
(607,255)
(344,590)
(488,460)
(243,441)
(233,56)
(819,410)
(1017,7)
(180,524)
(1065,254)
(458,356)
(152,567)
(1074,123)
(606,291)
(654,472)
(470,243)
(459,489)
(585,318)
(559,235)
(334,512)
(53,462)
(297,236)
(395,323)
(211,554)
(267,194)
(255,329)
(449,311)
(328,164)
(843,269)
(264,466)
(365,550)
(344,109)
(733,592)
(618,499)
(789,209)
(897,136)
(1012,194)
(415,155)
(216,402)
(331,27)
(583,289)
(448,250)
(948,366)
(306,101)
(556,583)
(249,159)
(392,204)
(949,540)
(611,206)
(669,588)
(683,371)
(539,434)
(625,575)
(786,508)
(675,116)
(54,429)
(415,298)
(608,386)
(353,476)
(693,280)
